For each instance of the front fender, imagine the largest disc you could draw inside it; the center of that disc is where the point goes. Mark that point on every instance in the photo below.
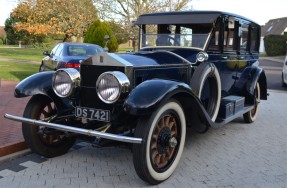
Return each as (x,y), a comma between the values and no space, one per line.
(40,84)
(147,96)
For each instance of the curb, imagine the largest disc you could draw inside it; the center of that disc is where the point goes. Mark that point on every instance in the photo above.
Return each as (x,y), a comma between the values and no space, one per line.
(6,150)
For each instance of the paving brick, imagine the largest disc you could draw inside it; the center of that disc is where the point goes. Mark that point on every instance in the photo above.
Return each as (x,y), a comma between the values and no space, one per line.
(236,155)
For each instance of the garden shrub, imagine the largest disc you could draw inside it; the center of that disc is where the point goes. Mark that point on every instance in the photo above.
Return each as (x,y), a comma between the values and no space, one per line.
(275,45)
(96,34)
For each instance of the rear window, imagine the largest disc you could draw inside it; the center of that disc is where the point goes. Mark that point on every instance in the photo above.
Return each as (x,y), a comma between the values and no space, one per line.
(83,50)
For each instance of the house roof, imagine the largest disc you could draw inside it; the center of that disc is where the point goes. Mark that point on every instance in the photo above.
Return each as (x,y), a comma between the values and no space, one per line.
(274,27)
(2,31)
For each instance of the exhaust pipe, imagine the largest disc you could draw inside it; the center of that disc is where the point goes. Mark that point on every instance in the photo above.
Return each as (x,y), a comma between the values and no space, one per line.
(75,129)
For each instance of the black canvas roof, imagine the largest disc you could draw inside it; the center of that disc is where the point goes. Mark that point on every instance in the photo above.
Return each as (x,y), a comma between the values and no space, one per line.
(182,17)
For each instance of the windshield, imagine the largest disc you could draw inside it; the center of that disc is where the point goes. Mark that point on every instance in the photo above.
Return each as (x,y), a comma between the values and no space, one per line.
(191,35)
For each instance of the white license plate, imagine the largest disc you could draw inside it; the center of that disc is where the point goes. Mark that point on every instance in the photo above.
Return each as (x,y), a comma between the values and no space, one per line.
(93,114)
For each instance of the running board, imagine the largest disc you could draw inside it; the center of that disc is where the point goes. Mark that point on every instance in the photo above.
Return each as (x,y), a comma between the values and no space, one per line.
(75,129)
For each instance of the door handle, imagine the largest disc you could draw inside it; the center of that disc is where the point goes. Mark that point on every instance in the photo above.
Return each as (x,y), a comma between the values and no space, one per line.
(224,57)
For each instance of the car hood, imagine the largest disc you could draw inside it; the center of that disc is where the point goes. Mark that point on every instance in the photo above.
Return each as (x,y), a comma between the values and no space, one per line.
(143,58)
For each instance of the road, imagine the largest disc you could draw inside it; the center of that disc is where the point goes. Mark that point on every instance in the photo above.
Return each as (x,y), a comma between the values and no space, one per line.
(273,72)
(236,155)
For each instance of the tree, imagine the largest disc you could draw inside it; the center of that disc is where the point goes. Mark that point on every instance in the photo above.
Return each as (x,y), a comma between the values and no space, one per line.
(125,11)
(121,34)
(96,35)
(14,36)
(56,17)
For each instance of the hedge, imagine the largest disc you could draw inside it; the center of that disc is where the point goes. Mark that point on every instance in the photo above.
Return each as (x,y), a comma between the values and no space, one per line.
(275,45)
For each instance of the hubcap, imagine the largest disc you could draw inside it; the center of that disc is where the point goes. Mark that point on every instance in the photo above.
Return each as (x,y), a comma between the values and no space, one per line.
(164,142)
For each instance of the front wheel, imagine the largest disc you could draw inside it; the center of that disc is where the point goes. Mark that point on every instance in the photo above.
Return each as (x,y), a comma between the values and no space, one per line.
(250,116)
(41,140)
(163,134)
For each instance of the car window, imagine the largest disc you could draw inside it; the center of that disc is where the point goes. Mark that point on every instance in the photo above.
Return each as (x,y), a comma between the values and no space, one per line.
(59,50)
(185,35)
(229,36)
(92,50)
(254,41)
(76,50)
(243,36)
(214,44)
(83,50)
(54,49)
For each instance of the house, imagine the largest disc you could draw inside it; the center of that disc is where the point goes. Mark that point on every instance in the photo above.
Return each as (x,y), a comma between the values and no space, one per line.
(276,26)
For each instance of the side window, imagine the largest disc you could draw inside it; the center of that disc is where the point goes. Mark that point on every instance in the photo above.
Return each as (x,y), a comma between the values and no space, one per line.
(254,42)
(229,35)
(59,50)
(54,49)
(243,36)
(214,44)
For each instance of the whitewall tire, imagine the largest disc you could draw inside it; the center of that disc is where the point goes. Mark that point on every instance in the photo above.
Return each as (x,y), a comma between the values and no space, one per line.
(163,135)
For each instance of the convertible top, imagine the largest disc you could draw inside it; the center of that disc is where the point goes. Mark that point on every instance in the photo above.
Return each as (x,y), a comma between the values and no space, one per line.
(183,17)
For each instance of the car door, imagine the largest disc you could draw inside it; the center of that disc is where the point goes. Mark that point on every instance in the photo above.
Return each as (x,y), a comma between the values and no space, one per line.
(57,57)
(48,60)
(222,52)
(248,53)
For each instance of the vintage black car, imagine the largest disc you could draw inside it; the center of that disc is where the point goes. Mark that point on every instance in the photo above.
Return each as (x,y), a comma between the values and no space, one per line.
(195,69)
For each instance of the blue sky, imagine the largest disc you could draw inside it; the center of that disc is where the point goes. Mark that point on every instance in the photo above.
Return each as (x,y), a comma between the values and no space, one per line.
(258,10)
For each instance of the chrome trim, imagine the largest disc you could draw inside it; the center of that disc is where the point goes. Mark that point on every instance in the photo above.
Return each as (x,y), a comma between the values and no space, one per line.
(201,57)
(75,79)
(122,80)
(75,129)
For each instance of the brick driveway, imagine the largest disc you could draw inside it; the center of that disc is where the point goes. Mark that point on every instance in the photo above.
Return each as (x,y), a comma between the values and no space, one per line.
(236,155)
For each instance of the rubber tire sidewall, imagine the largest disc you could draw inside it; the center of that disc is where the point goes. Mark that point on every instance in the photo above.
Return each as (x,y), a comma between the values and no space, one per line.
(248,117)
(29,131)
(198,79)
(141,153)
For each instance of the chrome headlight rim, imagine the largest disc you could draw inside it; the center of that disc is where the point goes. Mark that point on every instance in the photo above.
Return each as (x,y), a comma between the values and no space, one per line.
(122,81)
(74,78)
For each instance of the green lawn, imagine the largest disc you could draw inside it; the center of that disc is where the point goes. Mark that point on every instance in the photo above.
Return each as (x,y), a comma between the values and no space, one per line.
(16,71)
(22,53)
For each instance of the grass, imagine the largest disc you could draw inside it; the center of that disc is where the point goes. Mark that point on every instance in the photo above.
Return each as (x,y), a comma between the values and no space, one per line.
(22,53)
(16,71)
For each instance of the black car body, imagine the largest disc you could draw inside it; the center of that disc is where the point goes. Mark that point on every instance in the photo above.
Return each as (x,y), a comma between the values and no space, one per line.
(193,69)
(68,55)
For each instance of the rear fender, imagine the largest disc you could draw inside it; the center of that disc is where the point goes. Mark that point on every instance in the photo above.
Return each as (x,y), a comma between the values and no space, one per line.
(248,80)
(150,95)
(41,84)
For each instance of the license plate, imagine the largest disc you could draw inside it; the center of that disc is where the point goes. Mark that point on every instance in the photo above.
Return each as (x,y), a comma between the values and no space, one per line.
(93,114)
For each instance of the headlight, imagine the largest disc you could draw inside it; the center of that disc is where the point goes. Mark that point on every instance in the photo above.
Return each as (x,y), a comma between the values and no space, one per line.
(110,85)
(65,82)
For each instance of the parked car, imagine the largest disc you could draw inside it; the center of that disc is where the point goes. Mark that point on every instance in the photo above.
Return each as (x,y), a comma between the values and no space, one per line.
(68,55)
(194,69)
(284,73)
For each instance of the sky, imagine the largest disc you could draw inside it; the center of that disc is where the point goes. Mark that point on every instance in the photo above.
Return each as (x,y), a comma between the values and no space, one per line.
(259,11)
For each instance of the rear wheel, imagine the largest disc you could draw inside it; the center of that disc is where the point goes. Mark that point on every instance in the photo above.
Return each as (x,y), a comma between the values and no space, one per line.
(250,116)
(163,137)
(41,140)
